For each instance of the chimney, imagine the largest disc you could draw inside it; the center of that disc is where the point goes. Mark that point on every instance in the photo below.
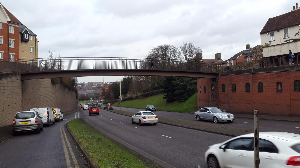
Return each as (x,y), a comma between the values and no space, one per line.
(293,7)
(218,56)
(247,46)
(296,5)
(199,55)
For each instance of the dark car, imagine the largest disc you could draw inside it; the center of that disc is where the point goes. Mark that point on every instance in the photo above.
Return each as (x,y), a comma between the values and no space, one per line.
(150,108)
(94,110)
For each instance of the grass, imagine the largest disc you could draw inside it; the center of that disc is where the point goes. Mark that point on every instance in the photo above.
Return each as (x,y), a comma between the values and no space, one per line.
(103,151)
(188,106)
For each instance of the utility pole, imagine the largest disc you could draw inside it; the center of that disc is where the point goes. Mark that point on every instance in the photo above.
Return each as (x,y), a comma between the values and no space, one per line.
(120,95)
(256,138)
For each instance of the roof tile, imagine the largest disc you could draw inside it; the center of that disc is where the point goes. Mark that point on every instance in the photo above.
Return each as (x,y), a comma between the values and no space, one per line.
(282,21)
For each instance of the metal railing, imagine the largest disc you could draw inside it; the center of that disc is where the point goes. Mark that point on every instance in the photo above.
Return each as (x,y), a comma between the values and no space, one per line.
(107,63)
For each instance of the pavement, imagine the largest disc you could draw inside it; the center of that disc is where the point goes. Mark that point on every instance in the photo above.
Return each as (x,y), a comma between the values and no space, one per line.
(6,132)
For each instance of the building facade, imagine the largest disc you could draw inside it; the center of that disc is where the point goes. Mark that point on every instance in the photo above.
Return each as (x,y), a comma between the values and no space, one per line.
(13,45)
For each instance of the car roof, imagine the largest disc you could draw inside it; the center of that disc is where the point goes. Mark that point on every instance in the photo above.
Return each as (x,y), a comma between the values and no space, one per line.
(209,107)
(278,136)
(25,111)
(146,111)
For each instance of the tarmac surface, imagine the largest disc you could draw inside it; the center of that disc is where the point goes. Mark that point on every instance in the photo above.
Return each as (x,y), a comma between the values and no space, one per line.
(6,132)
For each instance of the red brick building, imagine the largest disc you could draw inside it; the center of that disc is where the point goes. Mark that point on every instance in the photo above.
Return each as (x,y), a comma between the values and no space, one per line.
(9,35)
(275,93)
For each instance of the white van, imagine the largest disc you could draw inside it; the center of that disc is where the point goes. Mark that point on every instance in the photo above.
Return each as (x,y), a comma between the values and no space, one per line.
(57,114)
(85,107)
(47,115)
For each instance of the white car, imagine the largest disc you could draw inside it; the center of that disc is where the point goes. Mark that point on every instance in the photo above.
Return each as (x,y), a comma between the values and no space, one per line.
(276,150)
(144,117)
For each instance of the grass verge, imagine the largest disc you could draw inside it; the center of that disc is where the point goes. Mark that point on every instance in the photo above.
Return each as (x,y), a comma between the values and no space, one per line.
(188,106)
(105,152)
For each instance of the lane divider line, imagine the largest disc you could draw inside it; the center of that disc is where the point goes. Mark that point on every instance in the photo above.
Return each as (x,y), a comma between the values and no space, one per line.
(70,148)
(65,149)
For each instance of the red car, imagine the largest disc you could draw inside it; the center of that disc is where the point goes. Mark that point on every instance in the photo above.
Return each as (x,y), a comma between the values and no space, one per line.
(94,110)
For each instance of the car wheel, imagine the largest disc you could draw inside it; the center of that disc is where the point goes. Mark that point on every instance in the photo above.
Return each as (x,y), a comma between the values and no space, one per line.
(212,162)
(53,122)
(38,130)
(215,120)
(90,114)
(132,122)
(198,118)
(15,133)
(140,123)
(154,123)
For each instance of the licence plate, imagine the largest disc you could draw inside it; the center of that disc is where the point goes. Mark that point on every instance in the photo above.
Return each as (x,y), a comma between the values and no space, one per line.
(26,122)
(150,117)
(94,110)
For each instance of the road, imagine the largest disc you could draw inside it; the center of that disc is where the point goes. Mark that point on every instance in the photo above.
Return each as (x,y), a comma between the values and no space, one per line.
(244,123)
(169,146)
(52,148)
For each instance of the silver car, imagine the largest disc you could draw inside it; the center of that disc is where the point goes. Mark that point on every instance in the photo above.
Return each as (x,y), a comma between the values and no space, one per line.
(27,121)
(213,114)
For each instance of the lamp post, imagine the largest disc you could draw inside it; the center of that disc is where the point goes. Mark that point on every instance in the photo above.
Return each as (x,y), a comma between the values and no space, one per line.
(120,94)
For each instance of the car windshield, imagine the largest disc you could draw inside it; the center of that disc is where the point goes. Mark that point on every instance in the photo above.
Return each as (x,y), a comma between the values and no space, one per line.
(215,110)
(150,106)
(94,107)
(296,148)
(148,113)
(24,115)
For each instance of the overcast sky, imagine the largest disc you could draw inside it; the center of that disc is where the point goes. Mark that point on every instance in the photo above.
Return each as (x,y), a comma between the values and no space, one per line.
(131,28)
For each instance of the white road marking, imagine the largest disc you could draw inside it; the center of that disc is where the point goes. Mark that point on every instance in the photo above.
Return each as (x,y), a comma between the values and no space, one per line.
(245,122)
(170,137)
(297,127)
(163,135)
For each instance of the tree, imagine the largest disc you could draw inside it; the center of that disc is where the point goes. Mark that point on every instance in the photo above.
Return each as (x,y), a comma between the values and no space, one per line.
(179,88)
(190,51)
(125,85)
(165,56)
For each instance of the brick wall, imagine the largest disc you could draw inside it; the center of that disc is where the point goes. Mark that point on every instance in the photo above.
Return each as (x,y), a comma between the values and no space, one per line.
(11,99)
(41,93)
(269,102)
(17,95)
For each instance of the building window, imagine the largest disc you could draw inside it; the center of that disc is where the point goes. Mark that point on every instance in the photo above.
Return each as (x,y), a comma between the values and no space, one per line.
(231,62)
(260,87)
(297,85)
(31,49)
(11,43)
(1,25)
(31,38)
(11,29)
(12,57)
(286,33)
(200,89)
(272,37)
(233,87)
(212,87)
(248,59)
(279,87)
(1,39)
(204,89)
(247,87)
(1,54)
(223,87)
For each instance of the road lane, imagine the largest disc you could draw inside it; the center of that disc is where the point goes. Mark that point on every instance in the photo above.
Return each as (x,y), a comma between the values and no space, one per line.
(176,146)
(50,148)
(243,123)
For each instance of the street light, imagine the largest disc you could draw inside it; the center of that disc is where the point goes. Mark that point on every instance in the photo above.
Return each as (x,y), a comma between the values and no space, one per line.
(120,94)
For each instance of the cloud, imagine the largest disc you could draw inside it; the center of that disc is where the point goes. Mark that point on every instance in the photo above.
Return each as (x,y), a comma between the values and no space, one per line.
(131,28)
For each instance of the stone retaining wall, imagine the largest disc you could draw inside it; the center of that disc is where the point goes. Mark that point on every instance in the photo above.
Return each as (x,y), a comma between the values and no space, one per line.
(17,95)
